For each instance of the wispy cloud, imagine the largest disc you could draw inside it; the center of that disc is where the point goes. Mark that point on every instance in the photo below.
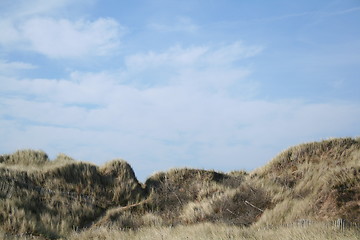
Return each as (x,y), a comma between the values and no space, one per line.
(295,15)
(174,56)
(196,56)
(345,11)
(10,69)
(7,66)
(21,9)
(182,24)
(206,68)
(311,13)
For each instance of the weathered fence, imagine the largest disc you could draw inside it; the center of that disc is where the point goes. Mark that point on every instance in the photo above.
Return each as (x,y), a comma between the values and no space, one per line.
(339,223)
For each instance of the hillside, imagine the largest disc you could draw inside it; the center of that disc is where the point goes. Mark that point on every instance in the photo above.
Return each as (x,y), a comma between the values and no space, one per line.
(317,181)
(51,198)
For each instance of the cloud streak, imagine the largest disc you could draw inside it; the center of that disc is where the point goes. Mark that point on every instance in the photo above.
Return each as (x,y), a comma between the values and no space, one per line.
(11,67)
(182,24)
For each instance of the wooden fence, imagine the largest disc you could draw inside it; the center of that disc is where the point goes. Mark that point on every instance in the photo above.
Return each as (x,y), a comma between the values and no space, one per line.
(339,223)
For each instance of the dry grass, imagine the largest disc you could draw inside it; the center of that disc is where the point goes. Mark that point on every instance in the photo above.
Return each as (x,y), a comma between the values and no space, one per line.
(240,206)
(319,181)
(54,199)
(209,231)
(25,158)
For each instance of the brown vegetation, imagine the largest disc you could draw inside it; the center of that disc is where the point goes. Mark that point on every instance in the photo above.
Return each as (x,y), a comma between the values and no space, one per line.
(211,231)
(317,181)
(56,197)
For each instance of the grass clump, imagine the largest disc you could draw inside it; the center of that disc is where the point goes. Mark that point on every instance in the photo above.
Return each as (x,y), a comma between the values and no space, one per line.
(241,206)
(25,158)
(169,192)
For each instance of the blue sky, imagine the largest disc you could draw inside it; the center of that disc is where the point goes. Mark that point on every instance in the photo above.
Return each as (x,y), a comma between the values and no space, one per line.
(210,84)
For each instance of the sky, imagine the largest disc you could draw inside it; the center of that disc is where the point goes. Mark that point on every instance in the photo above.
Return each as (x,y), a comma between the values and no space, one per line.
(224,85)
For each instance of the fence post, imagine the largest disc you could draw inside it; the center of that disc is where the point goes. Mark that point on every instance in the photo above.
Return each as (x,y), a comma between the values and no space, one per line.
(340,224)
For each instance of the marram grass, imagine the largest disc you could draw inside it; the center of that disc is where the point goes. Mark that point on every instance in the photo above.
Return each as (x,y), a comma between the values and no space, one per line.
(211,231)
(66,199)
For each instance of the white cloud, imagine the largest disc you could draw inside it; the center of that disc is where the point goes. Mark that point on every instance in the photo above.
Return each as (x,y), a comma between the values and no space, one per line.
(10,34)
(79,88)
(173,126)
(37,28)
(63,38)
(191,120)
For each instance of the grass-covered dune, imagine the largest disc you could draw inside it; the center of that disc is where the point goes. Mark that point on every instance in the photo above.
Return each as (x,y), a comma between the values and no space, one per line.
(64,198)
(319,181)
(52,198)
